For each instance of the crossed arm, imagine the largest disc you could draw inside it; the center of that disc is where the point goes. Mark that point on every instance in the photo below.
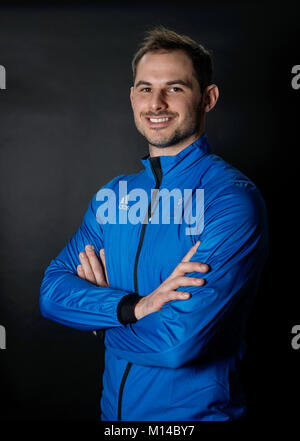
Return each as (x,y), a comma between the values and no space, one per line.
(92,271)
(88,303)
(171,333)
(166,333)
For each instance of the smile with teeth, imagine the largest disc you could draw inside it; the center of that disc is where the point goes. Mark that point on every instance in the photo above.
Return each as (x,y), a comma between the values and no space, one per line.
(158,120)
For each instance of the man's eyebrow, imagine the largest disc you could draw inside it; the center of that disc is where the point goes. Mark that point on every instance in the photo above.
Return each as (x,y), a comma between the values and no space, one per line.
(169,83)
(141,82)
(183,83)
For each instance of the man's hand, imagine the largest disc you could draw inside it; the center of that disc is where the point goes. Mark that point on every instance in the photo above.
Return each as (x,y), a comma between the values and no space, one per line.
(90,268)
(167,290)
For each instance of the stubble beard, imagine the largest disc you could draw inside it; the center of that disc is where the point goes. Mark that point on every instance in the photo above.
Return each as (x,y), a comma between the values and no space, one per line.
(175,138)
(179,135)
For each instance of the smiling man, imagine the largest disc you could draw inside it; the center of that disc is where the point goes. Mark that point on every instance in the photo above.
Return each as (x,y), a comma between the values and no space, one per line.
(172,300)
(167,101)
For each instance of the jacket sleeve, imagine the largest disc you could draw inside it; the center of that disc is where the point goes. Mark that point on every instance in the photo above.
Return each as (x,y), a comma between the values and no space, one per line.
(234,244)
(70,300)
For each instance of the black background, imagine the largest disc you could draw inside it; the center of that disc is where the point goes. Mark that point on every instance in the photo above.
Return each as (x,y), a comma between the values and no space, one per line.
(67,129)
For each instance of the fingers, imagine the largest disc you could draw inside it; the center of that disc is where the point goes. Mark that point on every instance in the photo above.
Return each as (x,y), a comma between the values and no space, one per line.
(185,266)
(191,252)
(86,268)
(177,282)
(102,257)
(168,296)
(90,268)
(80,271)
(169,292)
(155,301)
(166,292)
(96,266)
(190,267)
(179,270)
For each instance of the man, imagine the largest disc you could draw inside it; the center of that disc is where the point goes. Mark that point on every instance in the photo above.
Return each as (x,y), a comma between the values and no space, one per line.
(172,338)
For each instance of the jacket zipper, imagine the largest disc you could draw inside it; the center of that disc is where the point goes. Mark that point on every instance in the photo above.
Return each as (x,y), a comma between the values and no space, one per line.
(157,172)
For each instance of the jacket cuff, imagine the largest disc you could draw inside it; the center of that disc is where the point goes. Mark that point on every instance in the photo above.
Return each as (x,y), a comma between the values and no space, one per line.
(125,308)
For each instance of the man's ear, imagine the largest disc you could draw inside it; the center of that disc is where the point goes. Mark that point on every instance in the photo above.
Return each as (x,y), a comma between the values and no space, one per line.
(131,96)
(211,95)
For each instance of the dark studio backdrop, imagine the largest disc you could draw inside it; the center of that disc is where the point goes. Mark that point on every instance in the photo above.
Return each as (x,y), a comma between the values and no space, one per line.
(67,129)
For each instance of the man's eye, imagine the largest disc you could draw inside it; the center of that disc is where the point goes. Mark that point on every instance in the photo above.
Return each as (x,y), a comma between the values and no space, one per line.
(146,89)
(175,89)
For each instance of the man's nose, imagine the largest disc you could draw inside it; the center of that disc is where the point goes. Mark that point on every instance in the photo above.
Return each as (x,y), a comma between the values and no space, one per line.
(158,101)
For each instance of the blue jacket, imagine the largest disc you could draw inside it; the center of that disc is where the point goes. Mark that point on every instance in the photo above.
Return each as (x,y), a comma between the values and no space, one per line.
(179,363)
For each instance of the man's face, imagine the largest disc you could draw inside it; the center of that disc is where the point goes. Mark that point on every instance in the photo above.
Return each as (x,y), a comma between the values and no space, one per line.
(166,98)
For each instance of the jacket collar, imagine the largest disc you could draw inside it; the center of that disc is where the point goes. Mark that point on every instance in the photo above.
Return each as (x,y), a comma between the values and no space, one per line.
(182,162)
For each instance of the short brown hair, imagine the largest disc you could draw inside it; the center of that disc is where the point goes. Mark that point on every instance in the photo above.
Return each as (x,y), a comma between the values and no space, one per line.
(163,38)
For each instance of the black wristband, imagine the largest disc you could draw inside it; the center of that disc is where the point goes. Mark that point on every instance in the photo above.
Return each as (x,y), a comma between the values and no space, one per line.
(125,309)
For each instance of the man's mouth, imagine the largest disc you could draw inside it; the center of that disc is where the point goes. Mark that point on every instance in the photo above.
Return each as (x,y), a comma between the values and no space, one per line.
(161,121)
(158,120)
